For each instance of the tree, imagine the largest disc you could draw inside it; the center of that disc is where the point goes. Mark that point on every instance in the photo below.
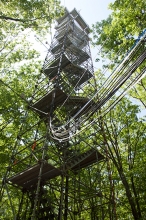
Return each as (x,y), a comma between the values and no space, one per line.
(20,63)
(120,137)
(116,36)
(37,15)
(118,33)
(20,66)
(113,189)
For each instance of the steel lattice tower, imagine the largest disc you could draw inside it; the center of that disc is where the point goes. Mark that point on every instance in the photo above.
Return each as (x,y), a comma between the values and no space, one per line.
(46,171)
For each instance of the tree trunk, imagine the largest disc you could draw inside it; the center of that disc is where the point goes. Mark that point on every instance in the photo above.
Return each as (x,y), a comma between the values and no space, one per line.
(66,199)
(129,195)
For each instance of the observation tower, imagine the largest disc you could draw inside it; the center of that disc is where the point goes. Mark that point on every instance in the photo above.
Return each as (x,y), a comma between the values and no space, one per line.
(47,170)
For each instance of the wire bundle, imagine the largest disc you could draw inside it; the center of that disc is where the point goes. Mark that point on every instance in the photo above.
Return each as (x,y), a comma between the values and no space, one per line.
(123,77)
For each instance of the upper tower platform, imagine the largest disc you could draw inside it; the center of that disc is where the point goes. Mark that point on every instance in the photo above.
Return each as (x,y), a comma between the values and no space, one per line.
(69,59)
(69,70)
(73,15)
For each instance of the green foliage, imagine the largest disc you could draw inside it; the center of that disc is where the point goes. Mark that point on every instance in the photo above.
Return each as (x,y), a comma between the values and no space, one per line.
(117,34)
(20,66)
(112,189)
(28,14)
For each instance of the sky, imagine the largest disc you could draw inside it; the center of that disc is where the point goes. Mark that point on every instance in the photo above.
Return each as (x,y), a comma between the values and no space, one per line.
(91,11)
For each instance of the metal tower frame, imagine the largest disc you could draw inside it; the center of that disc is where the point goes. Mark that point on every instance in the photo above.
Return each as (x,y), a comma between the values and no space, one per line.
(50,159)
(47,173)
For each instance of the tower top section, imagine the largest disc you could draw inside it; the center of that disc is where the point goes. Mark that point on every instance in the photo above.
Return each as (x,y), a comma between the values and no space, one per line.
(73,16)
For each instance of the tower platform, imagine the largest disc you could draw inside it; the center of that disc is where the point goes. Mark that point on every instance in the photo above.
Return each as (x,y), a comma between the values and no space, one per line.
(43,105)
(74,52)
(84,160)
(74,73)
(74,15)
(74,33)
(73,103)
(29,177)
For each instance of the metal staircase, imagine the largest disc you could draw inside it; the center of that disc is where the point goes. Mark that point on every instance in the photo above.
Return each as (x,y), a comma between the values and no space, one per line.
(83,160)
(63,95)
(28,178)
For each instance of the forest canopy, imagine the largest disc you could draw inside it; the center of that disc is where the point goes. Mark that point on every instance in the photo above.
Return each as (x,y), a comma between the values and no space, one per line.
(119,181)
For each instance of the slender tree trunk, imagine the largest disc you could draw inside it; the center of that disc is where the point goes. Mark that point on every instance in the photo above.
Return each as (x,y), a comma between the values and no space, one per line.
(129,194)
(136,197)
(118,164)
(66,199)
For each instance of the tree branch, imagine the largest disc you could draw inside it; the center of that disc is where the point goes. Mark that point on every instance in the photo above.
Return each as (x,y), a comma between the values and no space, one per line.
(12,19)
(18,19)
(143,85)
